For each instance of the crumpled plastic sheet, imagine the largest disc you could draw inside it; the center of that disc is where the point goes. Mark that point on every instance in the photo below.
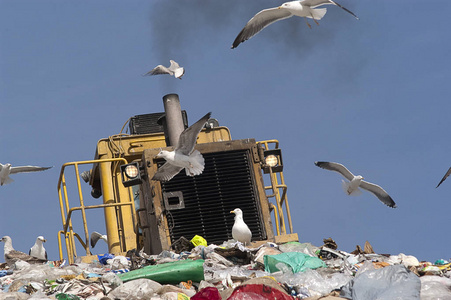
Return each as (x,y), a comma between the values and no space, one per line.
(391,282)
(296,261)
(435,287)
(38,273)
(217,272)
(315,283)
(305,248)
(136,289)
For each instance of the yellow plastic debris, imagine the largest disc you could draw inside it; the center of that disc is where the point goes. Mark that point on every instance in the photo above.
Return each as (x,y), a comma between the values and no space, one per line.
(198,240)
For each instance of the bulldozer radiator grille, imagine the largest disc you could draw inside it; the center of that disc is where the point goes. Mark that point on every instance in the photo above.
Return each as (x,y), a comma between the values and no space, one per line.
(227,183)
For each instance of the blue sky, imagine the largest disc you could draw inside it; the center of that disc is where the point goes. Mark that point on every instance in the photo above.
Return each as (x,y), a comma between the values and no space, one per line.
(371,94)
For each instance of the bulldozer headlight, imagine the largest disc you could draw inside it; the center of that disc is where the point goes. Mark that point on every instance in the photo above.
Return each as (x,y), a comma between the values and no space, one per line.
(130,174)
(273,160)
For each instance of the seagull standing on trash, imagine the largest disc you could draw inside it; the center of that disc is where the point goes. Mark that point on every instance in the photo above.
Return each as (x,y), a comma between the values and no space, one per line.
(95,237)
(305,9)
(184,156)
(7,169)
(240,231)
(352,187)
(173,70)
(12,256)
(38,249)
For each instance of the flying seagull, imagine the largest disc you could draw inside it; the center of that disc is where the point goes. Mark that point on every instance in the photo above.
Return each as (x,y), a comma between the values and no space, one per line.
(12,256)
(305,8)
(352,187)
(444,177)
(7,169)
(184,155)
(38,249)
(95,237)
(174,69)
(240,231)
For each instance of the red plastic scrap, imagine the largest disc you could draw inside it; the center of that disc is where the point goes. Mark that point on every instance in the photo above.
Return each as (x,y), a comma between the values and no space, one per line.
(258,292)
(208,293)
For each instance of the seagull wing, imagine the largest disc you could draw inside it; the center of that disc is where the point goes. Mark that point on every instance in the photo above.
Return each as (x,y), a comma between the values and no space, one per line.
(378,192)
(188,137)
(174,65)
(260,21)
(316,3)
(444,177)
(166,172)
(332,166)
(15,255)
(26,169)
(95,237)
(159,70)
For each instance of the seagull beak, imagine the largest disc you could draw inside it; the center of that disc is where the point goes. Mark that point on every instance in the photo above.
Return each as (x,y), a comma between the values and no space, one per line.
(279,7)
(44,240)
(232,211)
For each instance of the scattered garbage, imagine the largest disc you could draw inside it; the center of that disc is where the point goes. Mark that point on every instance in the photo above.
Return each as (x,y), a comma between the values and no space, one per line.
(195,270)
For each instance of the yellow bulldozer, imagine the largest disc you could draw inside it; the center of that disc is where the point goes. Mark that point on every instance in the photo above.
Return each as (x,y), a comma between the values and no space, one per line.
(141,213)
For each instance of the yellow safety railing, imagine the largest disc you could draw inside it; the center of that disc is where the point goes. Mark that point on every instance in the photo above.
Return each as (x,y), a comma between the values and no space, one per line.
(66,210)
(279,193)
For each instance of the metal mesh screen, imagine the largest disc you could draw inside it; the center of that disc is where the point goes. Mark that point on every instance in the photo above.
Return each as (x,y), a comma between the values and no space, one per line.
(226,183)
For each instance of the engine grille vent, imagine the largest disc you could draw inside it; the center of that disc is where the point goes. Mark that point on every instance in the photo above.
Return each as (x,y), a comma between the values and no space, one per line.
(226,183)
(150,123)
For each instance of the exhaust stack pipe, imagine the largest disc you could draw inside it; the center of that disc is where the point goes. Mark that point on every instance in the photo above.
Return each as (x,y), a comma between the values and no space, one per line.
(174,119)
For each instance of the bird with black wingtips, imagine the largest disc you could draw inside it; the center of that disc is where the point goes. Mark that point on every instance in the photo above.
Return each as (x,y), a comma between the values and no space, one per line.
(38,250)
(174,70)
(7,169)
(95,237)
(444,177)
(352,187)
(240,230)
(12,256)
(184,156)
(305,9)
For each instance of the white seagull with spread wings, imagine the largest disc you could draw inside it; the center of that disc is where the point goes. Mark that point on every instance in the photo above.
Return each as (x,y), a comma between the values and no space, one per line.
(305,9)
(174,69)
(7,169)
(352,187)
(184,156)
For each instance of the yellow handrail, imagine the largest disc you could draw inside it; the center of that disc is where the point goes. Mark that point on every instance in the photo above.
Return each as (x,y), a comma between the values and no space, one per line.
(66,211)
(279,192)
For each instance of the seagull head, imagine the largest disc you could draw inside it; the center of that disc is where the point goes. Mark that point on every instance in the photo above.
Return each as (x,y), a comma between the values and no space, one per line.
(162,153)
(288,5)
(5,239)
(359,177)
(41,238)
(238,212)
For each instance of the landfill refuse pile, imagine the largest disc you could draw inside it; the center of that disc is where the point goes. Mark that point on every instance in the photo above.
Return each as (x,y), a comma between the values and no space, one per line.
(233,271)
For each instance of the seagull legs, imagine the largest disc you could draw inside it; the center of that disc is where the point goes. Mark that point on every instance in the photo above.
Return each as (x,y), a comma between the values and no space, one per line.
(309,26)
(314,20)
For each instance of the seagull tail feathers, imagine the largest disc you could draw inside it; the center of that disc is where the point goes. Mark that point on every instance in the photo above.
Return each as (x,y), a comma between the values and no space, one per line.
(197,164)
(318,13)
(346,188)
(7,180)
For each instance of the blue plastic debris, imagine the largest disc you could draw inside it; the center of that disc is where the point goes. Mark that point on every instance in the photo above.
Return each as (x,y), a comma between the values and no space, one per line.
(104,258)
